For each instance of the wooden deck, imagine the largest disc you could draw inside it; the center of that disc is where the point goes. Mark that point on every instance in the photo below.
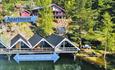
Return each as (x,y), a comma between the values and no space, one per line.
(38,50)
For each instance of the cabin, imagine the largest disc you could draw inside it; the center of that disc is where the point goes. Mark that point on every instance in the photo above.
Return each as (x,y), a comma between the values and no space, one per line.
(60,21)
(25,13)
(62,44)
(39,43)
(57,11)
(19,42)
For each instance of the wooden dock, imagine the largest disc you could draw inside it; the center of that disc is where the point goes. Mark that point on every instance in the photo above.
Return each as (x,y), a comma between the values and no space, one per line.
(38,50)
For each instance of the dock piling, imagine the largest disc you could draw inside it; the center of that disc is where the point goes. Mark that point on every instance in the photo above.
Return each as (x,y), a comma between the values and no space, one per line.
(9,57)
(74,57)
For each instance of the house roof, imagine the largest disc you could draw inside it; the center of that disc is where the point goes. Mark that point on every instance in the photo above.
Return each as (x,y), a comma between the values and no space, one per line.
(16,38)
(55,5)
(54,39)
(25,13)
(35,39)
(37,8)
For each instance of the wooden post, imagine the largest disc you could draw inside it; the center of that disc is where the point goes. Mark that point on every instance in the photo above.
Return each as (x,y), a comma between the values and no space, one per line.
(63,45)
(17,45)
(9,59)
(74,57)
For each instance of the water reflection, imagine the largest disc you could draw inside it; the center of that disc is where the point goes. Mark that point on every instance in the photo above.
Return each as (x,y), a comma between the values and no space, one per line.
(37,66)
(62,64)
(67,67)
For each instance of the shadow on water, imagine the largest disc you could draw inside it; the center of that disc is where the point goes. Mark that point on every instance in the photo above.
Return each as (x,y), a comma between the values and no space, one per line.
(64,63)
(111,60)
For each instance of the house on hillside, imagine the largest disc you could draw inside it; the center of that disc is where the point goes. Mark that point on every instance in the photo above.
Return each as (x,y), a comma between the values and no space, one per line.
(57,11)
(25,13)
(60,21)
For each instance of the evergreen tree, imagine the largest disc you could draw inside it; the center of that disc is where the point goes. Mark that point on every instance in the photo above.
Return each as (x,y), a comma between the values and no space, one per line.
(107,30)
(46,21)
(70,7)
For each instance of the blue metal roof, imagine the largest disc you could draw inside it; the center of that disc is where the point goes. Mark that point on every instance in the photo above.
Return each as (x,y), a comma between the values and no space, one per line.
(54,39)
(35,39)
(16,38)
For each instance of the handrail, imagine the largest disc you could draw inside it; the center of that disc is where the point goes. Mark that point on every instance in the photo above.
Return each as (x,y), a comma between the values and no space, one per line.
(38,50)
(68,48)
(26,49)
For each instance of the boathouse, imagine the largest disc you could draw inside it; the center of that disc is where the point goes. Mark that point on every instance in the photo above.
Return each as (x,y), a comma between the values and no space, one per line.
(19,42)
(62,44)
(39,43)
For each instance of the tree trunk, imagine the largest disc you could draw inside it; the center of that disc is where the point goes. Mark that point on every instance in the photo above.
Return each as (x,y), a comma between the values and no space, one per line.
(105,52)
(105,63)
(80,29)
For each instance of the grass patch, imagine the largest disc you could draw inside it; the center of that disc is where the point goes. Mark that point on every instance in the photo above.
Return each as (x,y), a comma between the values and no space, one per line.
(87,56)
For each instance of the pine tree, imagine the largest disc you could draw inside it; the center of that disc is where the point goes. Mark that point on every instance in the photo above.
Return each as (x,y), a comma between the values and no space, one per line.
(46,21)
(107,30)
(70,7)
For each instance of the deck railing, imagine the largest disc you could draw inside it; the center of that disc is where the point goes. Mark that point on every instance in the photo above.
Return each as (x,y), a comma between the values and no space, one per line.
(25,50)
(68,48)
(38,50)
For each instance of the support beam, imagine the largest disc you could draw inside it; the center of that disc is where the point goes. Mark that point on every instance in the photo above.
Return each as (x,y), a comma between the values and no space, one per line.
(74,57)
(9,57)
(18,45)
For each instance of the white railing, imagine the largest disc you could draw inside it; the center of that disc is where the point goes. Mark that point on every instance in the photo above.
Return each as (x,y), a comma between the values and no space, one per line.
(68,48)
(25,50)
(38,50)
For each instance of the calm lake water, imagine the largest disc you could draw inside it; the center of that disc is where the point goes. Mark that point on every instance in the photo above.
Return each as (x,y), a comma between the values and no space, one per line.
(64,63)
